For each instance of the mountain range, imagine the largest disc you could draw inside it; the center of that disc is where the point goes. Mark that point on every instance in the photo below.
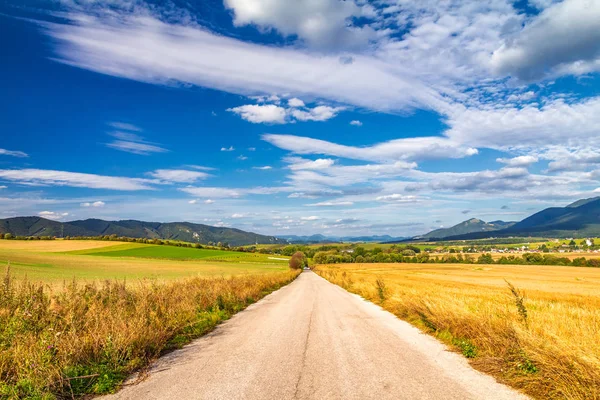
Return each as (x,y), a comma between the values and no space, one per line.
(184,231)
(332,239)
(469,226)
(578,219)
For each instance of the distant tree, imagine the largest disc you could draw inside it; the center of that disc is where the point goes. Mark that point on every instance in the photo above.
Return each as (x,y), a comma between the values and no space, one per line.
(8,236)
(320,257)
(298,260)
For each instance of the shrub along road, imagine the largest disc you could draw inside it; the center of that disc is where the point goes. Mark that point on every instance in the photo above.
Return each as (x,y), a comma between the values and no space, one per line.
(313,340)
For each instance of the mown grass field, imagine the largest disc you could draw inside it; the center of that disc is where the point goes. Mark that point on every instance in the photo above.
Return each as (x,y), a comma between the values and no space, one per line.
(57,261)
(546,343)
(77,317)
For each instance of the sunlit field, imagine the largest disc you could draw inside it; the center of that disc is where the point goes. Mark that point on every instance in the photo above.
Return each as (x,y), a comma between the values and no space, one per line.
(58,260)
(77,317)
(543,337)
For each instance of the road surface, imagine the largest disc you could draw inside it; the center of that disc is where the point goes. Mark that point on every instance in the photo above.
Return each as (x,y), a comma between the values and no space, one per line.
(314,340)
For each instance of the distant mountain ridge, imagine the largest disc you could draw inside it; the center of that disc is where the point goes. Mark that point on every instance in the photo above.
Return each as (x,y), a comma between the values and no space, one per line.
(184,231)
(332,239)
(471,225)
(578,219)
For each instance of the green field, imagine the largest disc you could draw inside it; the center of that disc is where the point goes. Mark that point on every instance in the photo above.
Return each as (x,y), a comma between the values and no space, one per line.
(137,250)
(59,261)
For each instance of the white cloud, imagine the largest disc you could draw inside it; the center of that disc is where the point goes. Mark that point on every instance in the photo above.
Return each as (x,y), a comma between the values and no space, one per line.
(564,38)
(230,148)
(319,113)
(260,114)
(178,175)
(2,187)
(331,204)
(238,215)
(213,192)
(4,152)
(242,157)
(125,126)
(297,163)
(520,161)
(356,123)
(136,147)
(295,102)
(96,204)
(53,215)
(132,142)
(44,177)
(310,218)
(193,201)
(530,126)
(175,54)
(200,167)
(265,168)
(209,201)
(410,148)
(322,24)
(397,198)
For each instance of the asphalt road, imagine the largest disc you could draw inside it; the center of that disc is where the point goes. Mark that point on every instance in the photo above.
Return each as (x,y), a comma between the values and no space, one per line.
(313,340)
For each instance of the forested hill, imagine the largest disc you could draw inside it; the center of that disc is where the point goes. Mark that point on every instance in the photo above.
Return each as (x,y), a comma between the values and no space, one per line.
(184,231)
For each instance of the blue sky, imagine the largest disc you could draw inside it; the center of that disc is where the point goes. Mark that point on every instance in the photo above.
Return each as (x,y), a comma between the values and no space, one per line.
(383,117)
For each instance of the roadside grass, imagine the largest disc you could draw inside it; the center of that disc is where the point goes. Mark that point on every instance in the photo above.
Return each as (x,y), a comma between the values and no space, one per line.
(536,328)
(86,338)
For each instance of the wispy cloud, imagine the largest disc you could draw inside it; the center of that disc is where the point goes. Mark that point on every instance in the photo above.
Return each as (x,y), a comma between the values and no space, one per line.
(132,142)
(331,204)
(53,215)
(96,204)
(230,148)
(44,177)
(178,175)
(4,152)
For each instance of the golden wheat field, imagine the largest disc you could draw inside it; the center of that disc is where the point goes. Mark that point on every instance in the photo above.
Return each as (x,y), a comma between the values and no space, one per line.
(542,337)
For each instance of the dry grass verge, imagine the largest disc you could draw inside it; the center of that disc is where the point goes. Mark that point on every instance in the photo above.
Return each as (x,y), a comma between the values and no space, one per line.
(86,338)
(544,341)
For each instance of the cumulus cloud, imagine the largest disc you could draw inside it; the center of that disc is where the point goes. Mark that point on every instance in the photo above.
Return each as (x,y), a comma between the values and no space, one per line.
(258,114)
(319,113)
(297,163)
(356,123)
(230,148)
(310,218)
(274,114)
(564,38)
(520,161)
(45,177)
(295,102)
(264,168)
(323,24)
(178,175)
